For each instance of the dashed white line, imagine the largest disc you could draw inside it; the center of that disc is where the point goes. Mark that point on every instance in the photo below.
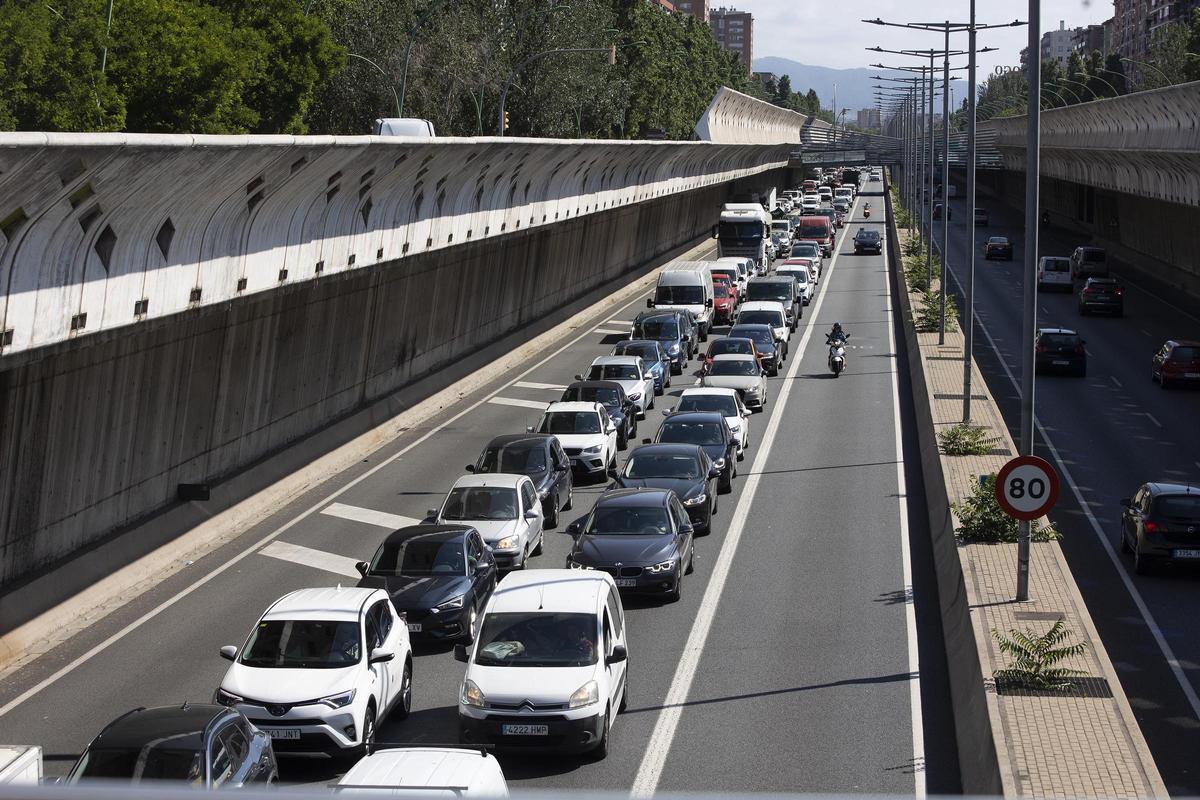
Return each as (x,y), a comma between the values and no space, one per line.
(368,516)
(1144,331)
(1150,417)
(609,332)
(620,322)
(1113,378)
(518,402)
(308,557)
(557,387)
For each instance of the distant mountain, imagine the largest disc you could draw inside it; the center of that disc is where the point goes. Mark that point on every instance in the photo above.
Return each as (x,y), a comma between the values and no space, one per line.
(853,85)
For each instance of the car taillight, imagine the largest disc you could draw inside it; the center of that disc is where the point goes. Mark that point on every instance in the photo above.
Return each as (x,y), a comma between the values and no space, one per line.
(1119,290)
(1150,527)
(1089,290)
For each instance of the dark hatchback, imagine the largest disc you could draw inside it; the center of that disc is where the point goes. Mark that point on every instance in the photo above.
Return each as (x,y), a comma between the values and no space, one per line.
(1102,294)
(868,241)
(670,330)
(1059,350)
(1161,524)
(610,394)
(1176,362)
(763,336)
(199,744)
(685,469)
(998,247)
(438,576)
(710,432)
(541,457)
(642,537)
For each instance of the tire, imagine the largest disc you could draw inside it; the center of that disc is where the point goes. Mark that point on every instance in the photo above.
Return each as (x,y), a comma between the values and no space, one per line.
(600,751)
(675,594)
(650,402)
(369,728)
(472,624)
(1162,382)
(659,390)
(622,441)
(676,369)
(550,519)
(725,484)
(570,498)
(691,567)
(733,470)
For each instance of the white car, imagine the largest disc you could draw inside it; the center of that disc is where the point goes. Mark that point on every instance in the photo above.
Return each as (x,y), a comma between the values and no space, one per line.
(746,266)
(630,372)
(728,403)
(425,771)
(548,667)
(803,275)
(811,204)
(765,312)
(506,511)
(586,433)
(825,192)
(813,261)
(1055,271)
(742,373)
(320,669)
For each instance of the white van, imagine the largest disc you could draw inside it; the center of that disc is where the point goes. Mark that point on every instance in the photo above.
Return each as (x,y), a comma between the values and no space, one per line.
(425,772)
(548,668)
(686,286)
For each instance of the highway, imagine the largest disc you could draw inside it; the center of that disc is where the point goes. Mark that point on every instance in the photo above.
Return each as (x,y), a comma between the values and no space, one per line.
(1107,433)
(796,660)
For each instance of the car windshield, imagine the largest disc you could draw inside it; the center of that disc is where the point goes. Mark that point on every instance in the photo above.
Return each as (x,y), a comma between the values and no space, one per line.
(997,240)
(480,502)
(722,404)
(537,639)
(734,367)
(730,345)
(740,230)
(753,317)
(1185,354)
(867,235)
(647,352)
(613,372)
(772,290)
(815,231)
(419,556)
(760,338)
(566,422)
(683,432)
(662,466)
(803,250)
(515,459)
(657,329)
(593,394)
(156,761)
(621,520)
(1184,506)
(799,273)
(721,289)
(303,644)
(1057,265)
(679,295)
(731,274)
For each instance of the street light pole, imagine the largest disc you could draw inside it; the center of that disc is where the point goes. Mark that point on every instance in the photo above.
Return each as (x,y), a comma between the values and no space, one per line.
(928,209)
(969,324)
(945,186)
(396,97)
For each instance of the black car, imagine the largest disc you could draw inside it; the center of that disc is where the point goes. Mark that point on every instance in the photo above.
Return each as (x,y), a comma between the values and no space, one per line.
(1059,350)
(672,331)
(1102,294)
(541,457)
(763,337)
(611,395)
(1160,524)
(653,355)
(711,432)
(642,537)
(868,241)
(206,746)
(998,247)
(438,576)
(685,469)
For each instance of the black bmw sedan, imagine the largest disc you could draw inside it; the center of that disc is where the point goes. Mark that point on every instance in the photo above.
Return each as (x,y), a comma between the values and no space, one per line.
(685,469)
(708,430)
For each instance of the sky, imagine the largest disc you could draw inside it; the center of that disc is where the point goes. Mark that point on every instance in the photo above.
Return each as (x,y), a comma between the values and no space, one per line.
(830,34)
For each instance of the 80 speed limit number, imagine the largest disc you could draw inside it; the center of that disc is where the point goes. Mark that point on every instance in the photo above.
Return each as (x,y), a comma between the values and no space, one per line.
(1027,487)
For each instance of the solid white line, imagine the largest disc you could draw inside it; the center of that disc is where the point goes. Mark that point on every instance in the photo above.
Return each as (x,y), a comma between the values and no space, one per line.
(1152,419)
(275,534)
(514,401)
(1189,692)
(608,332)
(369,516)
(645,783)
(308,557)
(910,610)
(557,387)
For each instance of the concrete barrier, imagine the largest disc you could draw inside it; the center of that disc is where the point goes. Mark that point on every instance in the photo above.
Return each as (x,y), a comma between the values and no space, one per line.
(736,118)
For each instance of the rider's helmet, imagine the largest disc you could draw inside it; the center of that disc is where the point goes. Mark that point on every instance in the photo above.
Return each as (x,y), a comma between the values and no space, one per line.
(837,327)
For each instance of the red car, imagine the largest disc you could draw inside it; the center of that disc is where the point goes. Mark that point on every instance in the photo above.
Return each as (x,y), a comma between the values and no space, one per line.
(1176,362)
(724,301)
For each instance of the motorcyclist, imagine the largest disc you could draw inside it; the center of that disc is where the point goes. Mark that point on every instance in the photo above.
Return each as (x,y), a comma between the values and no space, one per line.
(867,210)
(836,335)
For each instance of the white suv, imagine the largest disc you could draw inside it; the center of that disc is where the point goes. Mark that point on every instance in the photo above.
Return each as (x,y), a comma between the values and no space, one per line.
(630,372)
(586,432)
(548,668)
(504,508)
(320,669)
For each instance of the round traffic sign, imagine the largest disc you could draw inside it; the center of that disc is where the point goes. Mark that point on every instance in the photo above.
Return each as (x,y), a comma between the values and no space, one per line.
(1027,487)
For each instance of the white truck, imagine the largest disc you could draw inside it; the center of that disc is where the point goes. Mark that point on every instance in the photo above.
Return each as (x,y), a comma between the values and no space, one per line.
(744,230)
(20,763)
(686,286)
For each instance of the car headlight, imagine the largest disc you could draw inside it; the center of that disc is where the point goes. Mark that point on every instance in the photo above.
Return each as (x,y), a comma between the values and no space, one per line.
(665,566)
(508,542)
(673,349)
(695,501)
(224,698)
(585,695)
(737,426)
(595,449)
(635,396)
(453,603)
(573,564)
(340,700)
(471,695)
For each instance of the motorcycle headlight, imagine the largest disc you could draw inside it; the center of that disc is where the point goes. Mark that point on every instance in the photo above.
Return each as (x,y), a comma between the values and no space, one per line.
(471,695)
(340,700)
(508,542)
(585,695)
(224,698)
(695,501)
(595,449)
(665,566)
(453,603)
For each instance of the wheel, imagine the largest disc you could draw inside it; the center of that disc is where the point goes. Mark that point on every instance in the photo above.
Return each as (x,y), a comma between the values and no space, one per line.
(570,498)
(537,551)
(741,453)
(650,402)
(551,515)
(676,369)
(622,441)
(691,567)
(712,510)
(368,731)
(725,484)
(733,470)
(676,593)
(472,624)
(1162,382)
(658,390)
(600,751)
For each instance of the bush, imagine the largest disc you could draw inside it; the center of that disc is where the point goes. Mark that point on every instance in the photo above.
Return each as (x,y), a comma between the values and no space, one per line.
(1035,658)
(966,440)
(929,316)
(915,273)
(982,520)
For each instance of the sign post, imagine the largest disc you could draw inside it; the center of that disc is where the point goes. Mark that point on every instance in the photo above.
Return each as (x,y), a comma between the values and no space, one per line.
(1026,488)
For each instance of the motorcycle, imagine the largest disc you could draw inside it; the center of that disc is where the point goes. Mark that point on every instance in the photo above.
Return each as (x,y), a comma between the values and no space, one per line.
(867,212)
(837,356)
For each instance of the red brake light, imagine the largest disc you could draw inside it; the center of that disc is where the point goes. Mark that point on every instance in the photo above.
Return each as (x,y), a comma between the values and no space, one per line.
(1120,290)
(1150,527)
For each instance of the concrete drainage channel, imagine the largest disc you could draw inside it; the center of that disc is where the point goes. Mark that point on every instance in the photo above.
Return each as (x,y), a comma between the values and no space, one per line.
(1068,744)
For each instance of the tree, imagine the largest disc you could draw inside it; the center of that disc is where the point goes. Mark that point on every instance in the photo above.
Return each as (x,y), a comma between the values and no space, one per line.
(1169,57)
(783,91)
(1114,72)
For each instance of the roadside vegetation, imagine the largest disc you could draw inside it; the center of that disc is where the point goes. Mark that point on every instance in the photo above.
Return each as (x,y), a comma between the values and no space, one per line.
(981,520)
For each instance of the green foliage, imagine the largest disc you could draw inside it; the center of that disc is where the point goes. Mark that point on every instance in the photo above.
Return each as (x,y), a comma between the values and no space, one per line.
(966,440)
(1036,660)
(929,316)
(982,520)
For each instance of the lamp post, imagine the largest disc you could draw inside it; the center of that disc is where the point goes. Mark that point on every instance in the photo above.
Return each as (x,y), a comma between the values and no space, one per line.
(412,37)
(1166,78)
(399,105)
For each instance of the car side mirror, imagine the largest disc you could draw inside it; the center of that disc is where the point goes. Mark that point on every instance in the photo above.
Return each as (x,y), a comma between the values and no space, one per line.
(530,429)
(381,654)
(708,303)
(714,472)
(715,230)
(574,528)
(666,412)
(618,654)
(1125,501)
(687,530)
(229,652)
(431,512)
(612,472)
(461,654)
(649,302)
(646,441)
(362,567)
(470,468)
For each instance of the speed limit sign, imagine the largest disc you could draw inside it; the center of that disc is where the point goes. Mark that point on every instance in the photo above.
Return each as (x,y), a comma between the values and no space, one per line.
(1027,487)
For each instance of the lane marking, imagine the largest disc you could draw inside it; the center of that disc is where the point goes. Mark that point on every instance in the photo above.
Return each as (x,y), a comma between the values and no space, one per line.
(626,322)
(308,557)
(1144,331)
(609,332)
(557,387)
(1152,419)
(1189,692)
(369,516)
(1113,378)
(519,403)
(654,760)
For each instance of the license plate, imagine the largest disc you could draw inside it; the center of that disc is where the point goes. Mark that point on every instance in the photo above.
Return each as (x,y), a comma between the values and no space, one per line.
(283,733)
(1186,554)
(1191,374)
(414,627)
(626,583)
(1060,363)
(525,730)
